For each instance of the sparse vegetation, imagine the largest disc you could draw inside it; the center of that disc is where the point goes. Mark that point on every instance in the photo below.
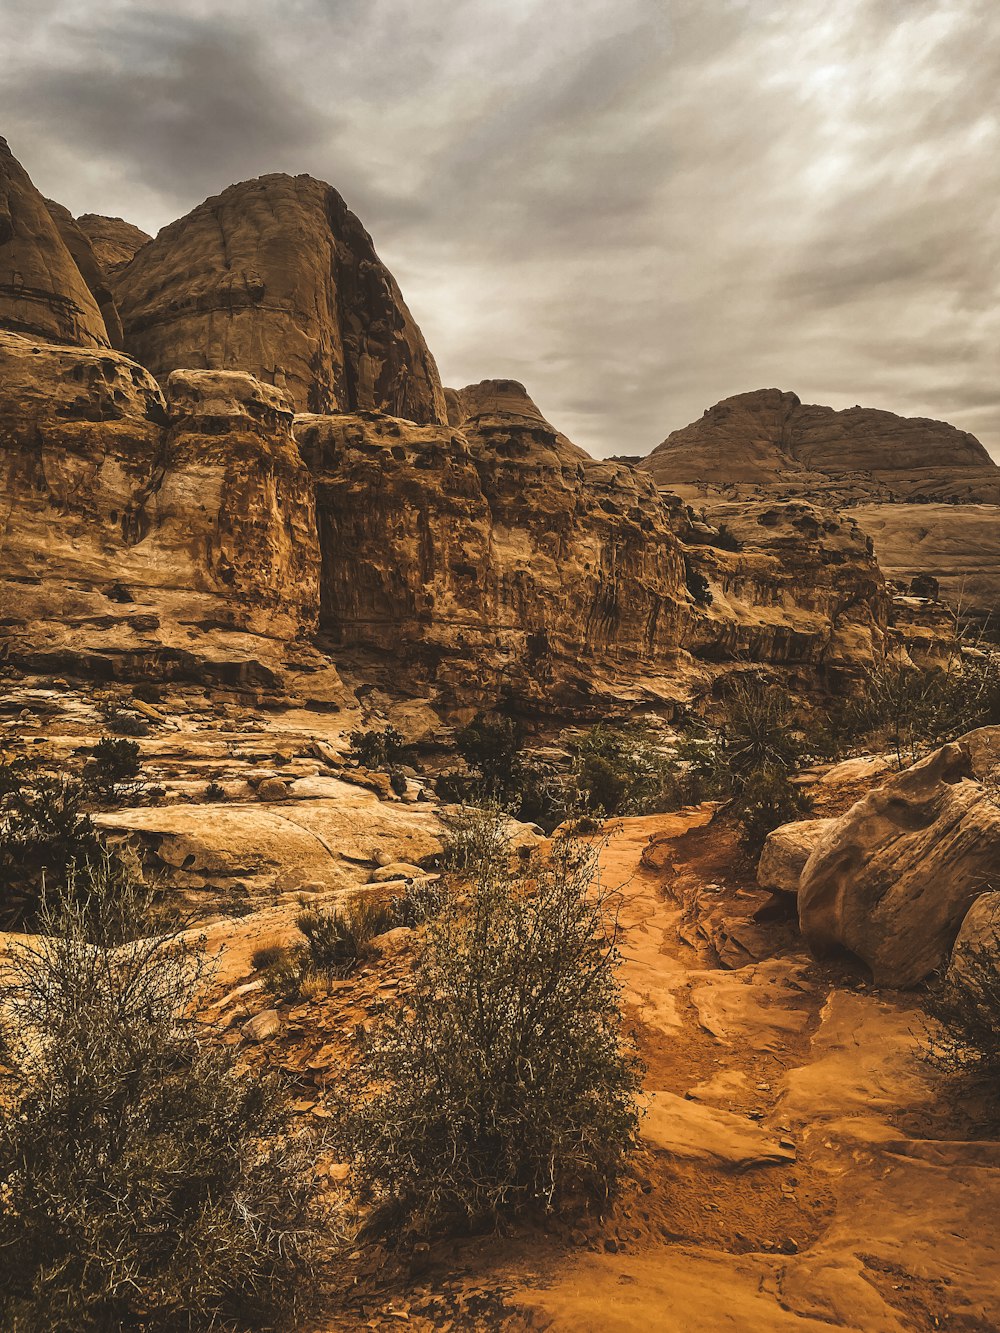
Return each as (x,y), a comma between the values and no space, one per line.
(965,1004)
(336,940)
(146,1181)
(506,1082)
(116,771)
(491,746)
(377,749)
(621,771)
(697,584)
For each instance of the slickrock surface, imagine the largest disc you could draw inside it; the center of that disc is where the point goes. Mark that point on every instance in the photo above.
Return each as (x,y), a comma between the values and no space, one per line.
(277,277)
(770,439)
(958,544)
(144,535)
(42,292)
(113,240)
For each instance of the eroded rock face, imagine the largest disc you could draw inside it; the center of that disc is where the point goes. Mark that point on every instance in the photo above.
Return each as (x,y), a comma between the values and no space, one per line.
(495,557)
(802,587)
(77,242)
(770,439)
(113,240)
(146,536)
(893,878)
(42,292)
(278,278)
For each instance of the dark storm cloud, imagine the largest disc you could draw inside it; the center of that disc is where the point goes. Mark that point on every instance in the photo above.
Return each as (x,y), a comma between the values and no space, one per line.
(635,207)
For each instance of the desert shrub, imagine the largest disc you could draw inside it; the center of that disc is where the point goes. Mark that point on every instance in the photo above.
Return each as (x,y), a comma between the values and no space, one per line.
(146,1180)
(473,834)
(966,1006)
(420,900)
(381,749)
(338,938)
(122,720)
(491,745)
(765,800)
(116,770)
(397,781)
(215,791)
(620,771)
(911,710)
(44,832)
(269,956)
(505,1082)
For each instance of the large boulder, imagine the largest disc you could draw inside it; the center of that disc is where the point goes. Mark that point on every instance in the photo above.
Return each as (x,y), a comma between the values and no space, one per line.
(42,291)
(277,277)
(978,943)
(892,879)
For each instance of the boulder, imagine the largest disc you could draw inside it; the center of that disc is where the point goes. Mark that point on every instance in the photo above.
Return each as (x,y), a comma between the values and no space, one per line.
(42,291)
(978,941)
(786,852)
(261,1026)
(277,277)
(892,879)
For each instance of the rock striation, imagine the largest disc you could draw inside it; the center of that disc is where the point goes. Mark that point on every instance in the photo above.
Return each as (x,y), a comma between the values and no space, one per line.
(770,439)
(278,278)
(78,244)
(42,291)
(893,879)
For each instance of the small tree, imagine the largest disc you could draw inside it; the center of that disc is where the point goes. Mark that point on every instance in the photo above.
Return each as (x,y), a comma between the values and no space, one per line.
(506,1081)
(116,770)
(491,745)
(620,771)
(44,833)
(145,1180)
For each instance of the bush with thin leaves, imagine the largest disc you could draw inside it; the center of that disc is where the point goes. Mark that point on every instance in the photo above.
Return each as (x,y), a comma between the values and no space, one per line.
(145,1180)
(44,832)
(506,1081)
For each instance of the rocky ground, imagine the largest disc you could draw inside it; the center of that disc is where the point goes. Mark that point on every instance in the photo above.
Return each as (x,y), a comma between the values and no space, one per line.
(801,1165)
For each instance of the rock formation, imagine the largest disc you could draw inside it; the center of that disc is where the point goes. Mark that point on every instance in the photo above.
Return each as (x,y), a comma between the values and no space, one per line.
(145,536)
(770,439)
(112,240)
(77,242)
(42,292)
(893,878)
(277,277)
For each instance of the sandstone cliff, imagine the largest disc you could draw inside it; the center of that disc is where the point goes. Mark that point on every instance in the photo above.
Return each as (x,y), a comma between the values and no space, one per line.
(78,244)
(42,292)
(769,439)
(144,536)
(277,277)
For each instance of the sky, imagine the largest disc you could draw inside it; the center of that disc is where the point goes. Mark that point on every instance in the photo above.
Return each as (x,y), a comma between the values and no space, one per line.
(635,207)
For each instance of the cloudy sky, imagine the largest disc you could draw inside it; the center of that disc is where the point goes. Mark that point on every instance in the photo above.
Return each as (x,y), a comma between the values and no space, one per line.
(637,207)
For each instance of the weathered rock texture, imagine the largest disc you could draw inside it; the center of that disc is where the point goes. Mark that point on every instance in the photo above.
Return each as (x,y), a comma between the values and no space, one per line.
(142,535)
(78,244)
(803,587)
(786,852)
(770,439)
(113,240)
(893,878)
(495,556)
(277,277)
(42,291)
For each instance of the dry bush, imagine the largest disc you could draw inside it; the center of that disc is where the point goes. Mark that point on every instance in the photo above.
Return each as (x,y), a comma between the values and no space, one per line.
(966,1006)
(506,1081)
(145,1180)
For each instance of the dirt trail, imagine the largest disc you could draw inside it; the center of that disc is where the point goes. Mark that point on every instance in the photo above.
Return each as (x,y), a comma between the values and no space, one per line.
(798,1171)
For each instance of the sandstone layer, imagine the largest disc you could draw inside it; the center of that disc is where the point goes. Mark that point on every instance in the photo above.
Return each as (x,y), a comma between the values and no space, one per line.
(78,244)
(145,535)
(770,439)
(278,278)
(42,291)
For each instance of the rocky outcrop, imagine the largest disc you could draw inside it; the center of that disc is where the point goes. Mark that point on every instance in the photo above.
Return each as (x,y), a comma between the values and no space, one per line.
(42,292)
(78,244)
(770,439)
(144,535)
(495,557)
(786,851)
(892,879)
(113,240)
(278,278)
(976,954)
(785,582)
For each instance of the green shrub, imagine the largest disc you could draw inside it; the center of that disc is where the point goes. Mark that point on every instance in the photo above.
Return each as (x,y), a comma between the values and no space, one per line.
(377,749)
(115,770)
(491,746)
(215,791)
(146,1180)
(338,938)
(505,1083)
(620,771)
(420,900)
(765,800)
